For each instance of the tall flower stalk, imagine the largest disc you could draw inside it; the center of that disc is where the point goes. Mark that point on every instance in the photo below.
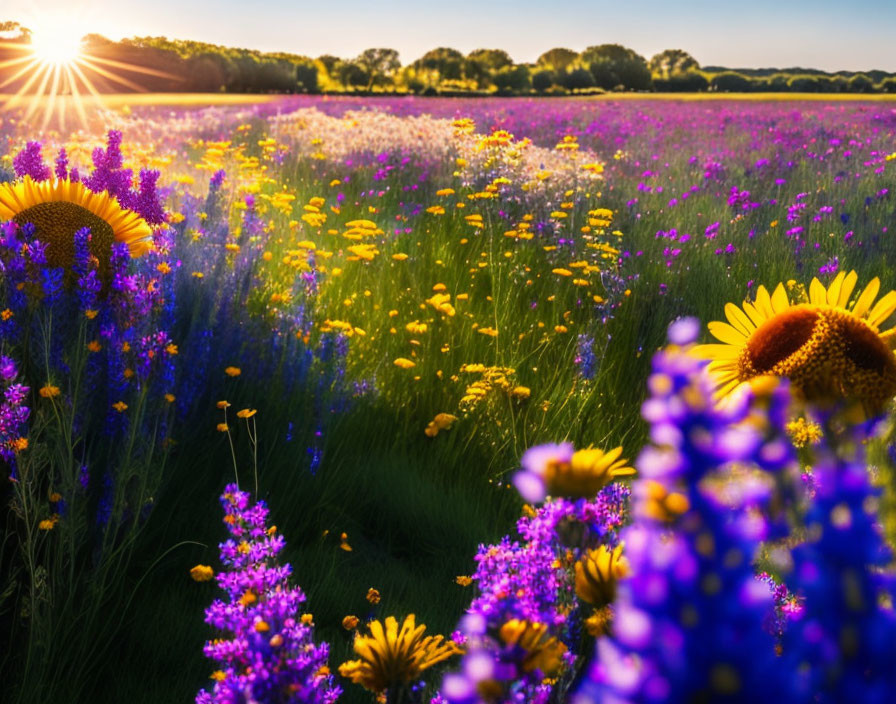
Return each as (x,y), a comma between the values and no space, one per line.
(266,654)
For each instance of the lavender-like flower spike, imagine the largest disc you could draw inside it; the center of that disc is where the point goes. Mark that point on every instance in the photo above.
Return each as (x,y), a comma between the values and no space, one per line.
(30,162)
(844,575)
(13,415)
(689,620)
(268,654)
(522,626)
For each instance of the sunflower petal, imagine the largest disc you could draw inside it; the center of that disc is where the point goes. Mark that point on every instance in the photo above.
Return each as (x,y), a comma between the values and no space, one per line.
(883,309)
(726,333)
(756,315)
(739,319)
(818,295)
(867,297)
(780,302)
(834,289)
(849,283)
(764,302)
(713,351)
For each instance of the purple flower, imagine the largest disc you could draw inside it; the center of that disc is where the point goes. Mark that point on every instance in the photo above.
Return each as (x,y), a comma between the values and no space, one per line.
(267,653)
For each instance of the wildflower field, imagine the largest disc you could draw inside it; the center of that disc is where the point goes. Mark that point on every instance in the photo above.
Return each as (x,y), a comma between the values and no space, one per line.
(280,383)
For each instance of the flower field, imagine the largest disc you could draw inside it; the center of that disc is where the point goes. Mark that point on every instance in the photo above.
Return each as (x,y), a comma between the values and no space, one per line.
(450,362)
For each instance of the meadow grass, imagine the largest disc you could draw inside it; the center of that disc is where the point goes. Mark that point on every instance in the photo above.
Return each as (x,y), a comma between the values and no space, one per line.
(345,450)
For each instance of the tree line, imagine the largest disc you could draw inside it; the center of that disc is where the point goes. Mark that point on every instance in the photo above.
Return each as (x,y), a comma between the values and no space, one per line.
(172,65)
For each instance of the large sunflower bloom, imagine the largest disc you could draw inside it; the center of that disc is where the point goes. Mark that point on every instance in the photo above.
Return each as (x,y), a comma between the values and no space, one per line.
(59,208)
(391,657)
(830,348)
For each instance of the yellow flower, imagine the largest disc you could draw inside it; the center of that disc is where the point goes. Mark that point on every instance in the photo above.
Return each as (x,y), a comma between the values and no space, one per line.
(442,421)
(222,427)
(120,406)
(58,208)
(404,363)
(49,391)
(373,596)
(586,472)
(246,413)
(233,371)
(659,503)
(597,573)
(47,524)
(94,346)
(803,432)
(202,573)
(389,656)
(442,303)
(170,398)
(598,624)
(521,392)
(830,348)
(350,623)
(542,652)
(463,580)
(222,404)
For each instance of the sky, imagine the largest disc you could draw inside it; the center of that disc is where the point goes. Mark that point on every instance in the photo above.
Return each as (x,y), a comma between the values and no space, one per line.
(824,34)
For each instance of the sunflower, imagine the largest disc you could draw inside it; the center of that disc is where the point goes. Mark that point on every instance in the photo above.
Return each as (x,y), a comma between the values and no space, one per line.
(830,348)
(391,656)
(59,208)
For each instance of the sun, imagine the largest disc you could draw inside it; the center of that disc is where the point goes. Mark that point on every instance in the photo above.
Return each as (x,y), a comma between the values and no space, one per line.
(55,44)
(54,70)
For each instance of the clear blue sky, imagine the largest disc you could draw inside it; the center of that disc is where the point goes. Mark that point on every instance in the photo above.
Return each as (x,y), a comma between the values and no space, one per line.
(826,34)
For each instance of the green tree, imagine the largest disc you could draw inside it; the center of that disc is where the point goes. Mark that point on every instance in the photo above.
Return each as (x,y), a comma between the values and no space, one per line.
(614,65)
(441,64)
(557,59)
(730,82)
(380,65)
(307,76)
(688,82)
(888,85)
(352,75)
(482,64)
(860,83)
(542,79)
(513,79)
(672,62)
(577,78)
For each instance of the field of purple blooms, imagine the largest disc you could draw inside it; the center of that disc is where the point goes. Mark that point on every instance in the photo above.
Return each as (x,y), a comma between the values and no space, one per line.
(436,361)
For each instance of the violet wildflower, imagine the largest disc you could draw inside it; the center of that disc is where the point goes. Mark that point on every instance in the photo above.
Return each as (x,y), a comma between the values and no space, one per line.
(843,574)
(13,415)
(688,620)
(29,162)
(525,621)
(268,654)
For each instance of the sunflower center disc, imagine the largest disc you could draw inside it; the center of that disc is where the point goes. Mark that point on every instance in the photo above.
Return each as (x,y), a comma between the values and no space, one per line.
(56,223)
(780,337)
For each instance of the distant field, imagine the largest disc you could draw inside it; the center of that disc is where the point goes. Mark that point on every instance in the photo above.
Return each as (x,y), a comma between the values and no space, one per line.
(116,101)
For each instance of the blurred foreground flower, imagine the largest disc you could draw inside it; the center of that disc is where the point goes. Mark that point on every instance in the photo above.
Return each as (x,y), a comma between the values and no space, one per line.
(688,621)
(557,470)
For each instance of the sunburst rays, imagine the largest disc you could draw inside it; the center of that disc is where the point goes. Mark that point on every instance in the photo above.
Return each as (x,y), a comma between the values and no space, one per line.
(53,74)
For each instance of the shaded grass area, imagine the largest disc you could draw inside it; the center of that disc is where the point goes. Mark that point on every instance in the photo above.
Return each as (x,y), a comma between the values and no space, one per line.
(413,515)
